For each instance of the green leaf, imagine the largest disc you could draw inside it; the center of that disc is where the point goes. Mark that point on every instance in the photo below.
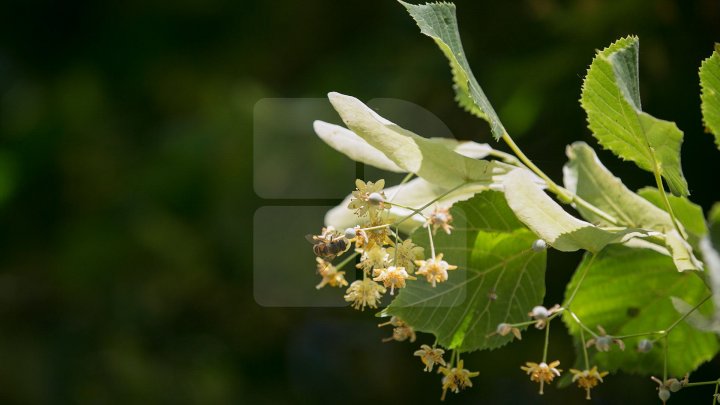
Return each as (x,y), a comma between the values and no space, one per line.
(429,159)
(611,99)
(627,291)
(439,22)
(550,222)
(688,213)
(586,176)
(499,279)
(710,97)
(714,224)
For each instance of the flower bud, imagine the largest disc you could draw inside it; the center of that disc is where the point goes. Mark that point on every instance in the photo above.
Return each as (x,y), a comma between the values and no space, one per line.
(376,198)
(539,245)
(675,385)
(540,312)
(350,233)
(663,394)
(644,346)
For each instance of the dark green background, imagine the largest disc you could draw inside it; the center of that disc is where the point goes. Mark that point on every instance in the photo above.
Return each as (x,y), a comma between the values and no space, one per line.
(127,200)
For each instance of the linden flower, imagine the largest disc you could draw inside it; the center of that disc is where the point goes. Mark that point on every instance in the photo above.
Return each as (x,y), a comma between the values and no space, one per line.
(504,329)
(435,270)
(405,254)
(368,198)
(378,236)
(602,343)
(364,293)
(373,258)
(401,331)
(541,314)
(440,218)
(588,379)
(330,275)
(430,356)
(456,378)
(542,373)
(392,277)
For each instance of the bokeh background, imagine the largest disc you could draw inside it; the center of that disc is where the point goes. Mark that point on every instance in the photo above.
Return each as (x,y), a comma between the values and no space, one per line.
(128,202)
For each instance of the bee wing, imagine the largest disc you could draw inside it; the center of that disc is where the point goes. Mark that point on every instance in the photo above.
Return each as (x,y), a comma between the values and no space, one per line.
(311,238)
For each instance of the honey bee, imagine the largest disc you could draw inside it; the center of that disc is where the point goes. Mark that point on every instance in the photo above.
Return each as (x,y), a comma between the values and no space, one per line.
(329,244)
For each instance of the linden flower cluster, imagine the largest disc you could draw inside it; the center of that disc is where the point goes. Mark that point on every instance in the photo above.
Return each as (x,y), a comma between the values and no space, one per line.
(386,260)
(387,263)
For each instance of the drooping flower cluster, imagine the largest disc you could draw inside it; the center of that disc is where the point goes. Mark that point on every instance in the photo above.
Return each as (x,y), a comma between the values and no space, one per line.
(388,263)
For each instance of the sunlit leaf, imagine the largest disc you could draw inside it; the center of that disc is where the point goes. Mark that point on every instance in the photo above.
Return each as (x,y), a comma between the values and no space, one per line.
(499,279)
(439,22)
(429,159)
(553,224)
(627,291)
(586,176)
(611,99)
(710,97)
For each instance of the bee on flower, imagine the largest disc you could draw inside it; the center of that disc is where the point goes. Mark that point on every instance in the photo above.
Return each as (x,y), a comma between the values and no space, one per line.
(435,270)
(364,293)
(440,218)
(542,373)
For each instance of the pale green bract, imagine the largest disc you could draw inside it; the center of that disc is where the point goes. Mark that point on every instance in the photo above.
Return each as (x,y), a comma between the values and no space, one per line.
(611,99)
(710,97)
(499,279)
(430,159)
(439,22)
(627,291)
(588,178)
(553,224)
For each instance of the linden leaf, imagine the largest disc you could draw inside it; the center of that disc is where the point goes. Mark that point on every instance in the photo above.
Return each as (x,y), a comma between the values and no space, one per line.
(429,159)
(627,291)
(499,277)
(550,222)
(586,176)
(439,22)
(611,99)
(710,97)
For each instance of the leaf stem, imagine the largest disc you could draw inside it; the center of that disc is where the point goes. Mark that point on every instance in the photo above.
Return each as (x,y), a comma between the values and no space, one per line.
(582,325)
(585,353)
(547,342)
(696,384)
(665,356)
(580,281)
(562,193)
(666,201)
(429,204)
(685,315)
(346,261)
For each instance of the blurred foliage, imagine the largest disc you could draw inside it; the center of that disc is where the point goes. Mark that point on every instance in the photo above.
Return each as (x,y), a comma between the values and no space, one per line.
(126,189)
